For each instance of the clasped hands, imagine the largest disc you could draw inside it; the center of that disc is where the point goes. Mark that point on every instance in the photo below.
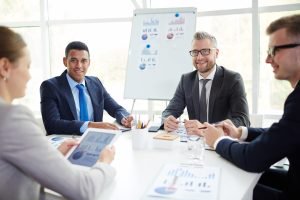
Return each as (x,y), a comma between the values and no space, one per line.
(211,132)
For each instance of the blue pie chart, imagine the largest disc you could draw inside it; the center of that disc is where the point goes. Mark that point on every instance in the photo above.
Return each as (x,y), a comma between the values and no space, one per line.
(165,190)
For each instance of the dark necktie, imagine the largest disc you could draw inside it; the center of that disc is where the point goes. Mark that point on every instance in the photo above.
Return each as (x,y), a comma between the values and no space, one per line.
(203,104)
(82,104)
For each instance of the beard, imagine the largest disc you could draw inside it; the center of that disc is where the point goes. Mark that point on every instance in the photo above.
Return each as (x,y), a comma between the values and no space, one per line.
(205,69)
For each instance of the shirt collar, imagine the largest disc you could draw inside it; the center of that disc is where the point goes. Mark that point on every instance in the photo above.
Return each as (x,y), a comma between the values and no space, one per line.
(73,83)
(210,76)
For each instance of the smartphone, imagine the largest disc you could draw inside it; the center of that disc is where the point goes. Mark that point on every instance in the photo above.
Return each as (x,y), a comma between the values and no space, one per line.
(153,128)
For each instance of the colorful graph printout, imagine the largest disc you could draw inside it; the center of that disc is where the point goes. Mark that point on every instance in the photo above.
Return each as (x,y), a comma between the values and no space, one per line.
(178,181)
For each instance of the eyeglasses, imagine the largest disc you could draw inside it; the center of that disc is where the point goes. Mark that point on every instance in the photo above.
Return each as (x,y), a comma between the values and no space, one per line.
(272,50)
(204,52)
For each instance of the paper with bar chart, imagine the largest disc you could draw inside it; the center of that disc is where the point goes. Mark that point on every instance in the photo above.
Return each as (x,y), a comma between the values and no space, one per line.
(178,181)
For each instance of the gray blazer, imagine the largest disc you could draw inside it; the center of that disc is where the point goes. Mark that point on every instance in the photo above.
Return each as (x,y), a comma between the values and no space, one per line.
(227,98)
(28,161)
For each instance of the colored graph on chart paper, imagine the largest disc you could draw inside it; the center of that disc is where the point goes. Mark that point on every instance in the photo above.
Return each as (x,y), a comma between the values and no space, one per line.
(186,182)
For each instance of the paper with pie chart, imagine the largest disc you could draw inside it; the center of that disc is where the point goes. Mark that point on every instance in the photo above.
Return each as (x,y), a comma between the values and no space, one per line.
(176,181)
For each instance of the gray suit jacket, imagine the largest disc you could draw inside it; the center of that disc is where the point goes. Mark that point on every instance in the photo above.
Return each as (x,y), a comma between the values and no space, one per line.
(227,98)
(27,161)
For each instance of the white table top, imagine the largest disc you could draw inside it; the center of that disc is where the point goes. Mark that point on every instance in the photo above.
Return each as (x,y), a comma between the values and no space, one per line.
(137,170)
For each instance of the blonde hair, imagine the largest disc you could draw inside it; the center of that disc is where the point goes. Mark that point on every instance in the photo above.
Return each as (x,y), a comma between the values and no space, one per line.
(201,35)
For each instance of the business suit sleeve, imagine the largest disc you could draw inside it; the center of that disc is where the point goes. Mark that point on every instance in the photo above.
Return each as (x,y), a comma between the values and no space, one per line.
(31,157)
(268,145)
(57,117)
(238,103)
(177,103)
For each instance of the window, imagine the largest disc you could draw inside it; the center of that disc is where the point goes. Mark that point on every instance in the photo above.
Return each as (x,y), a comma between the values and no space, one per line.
(49,25)
(201,5)
(89,9)
(19,10)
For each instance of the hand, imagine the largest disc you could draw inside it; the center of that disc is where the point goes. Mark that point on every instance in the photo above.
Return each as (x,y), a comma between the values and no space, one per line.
(103,125)
(67,145)
(231,130)
(127,121)
(212,133)
(107,155)
(171,123)
(192,127)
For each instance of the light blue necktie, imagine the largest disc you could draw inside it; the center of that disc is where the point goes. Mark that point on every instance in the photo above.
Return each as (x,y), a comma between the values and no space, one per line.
(82,104)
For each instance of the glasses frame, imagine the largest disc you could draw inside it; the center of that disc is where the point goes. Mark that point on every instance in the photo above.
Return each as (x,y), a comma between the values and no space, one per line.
(201,51)
(272,50)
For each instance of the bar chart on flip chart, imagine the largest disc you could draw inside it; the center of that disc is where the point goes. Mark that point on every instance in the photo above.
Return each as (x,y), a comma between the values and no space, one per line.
(158,52)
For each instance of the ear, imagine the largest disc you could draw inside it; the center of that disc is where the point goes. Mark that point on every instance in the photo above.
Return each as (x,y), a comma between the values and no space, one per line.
(65,61)
(217,53)
(5,67)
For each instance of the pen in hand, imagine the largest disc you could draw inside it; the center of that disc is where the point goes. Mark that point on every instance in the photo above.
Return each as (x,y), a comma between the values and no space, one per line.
(124,116)
(215,125)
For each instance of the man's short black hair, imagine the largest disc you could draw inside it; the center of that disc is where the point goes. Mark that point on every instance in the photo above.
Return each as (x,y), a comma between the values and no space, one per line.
(76,45)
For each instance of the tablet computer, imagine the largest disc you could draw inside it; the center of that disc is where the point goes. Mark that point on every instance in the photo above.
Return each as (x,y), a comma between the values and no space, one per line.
(91,144)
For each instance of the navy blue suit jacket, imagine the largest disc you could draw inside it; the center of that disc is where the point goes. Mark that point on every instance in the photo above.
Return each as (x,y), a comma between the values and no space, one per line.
(58,105)
(268,146)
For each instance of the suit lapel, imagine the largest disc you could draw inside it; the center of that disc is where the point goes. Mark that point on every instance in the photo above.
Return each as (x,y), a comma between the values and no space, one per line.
(215,90)
(67,93)
(196,97)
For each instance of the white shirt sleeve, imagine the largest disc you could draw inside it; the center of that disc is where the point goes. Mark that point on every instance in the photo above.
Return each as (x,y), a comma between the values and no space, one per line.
(244,133)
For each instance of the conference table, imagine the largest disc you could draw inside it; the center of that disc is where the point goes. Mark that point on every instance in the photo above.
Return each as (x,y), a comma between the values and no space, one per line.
(137,169)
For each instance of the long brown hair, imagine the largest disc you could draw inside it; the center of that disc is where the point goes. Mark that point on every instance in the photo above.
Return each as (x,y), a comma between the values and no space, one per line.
(11,44)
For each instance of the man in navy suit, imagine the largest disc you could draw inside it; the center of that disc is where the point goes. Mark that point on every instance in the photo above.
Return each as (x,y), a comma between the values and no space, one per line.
(267,146)
(60,97)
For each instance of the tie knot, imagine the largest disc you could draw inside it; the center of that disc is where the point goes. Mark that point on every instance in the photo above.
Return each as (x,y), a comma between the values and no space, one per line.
(204,81)
(80,87)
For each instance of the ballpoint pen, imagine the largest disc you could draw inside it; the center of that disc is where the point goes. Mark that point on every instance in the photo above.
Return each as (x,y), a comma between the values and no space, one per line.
(124,116)
(218,124)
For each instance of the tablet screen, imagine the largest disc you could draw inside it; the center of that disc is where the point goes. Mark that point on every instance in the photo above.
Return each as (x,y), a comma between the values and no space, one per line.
(87,152)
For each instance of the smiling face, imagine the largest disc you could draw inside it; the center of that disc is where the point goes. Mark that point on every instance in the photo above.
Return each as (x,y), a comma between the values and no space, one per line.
(285,62)
(204,64)
(77,63)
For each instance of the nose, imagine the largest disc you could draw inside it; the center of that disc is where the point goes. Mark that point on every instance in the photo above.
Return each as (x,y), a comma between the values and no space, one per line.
(199,56)
(269,59)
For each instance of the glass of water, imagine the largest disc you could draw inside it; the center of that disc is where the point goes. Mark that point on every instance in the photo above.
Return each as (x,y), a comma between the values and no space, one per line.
(196,149)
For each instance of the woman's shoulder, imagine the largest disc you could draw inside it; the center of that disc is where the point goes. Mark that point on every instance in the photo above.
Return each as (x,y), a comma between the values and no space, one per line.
(15,111)
(16,115)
